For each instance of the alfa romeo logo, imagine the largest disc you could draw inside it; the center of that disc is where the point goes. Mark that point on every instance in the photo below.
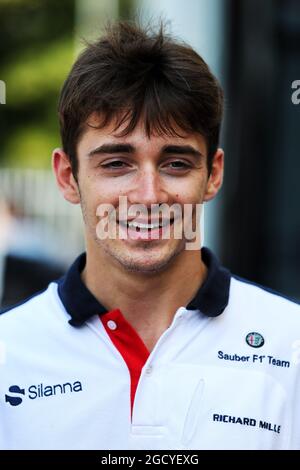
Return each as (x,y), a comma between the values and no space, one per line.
(255,340)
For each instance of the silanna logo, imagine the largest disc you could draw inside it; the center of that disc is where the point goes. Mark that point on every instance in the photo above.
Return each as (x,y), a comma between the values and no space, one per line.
(17,394)
(15,400)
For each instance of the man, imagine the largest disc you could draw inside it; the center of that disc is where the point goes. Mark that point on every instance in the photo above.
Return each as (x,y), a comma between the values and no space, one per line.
(147,342)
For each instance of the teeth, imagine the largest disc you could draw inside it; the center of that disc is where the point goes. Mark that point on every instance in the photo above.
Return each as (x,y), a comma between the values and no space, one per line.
(143,226)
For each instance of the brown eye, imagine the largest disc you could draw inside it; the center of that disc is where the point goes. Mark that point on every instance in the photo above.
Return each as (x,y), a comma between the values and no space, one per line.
(115,164)
(178,165)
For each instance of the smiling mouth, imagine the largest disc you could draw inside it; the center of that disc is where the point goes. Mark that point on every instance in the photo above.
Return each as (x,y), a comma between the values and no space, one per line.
(145,227)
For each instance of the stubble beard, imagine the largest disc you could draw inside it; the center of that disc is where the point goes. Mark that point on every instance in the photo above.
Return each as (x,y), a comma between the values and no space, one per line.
(140,263)
(143,263)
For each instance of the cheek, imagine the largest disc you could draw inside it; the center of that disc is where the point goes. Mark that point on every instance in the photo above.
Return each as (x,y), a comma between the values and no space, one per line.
(191,193)
(190,189)
(96,191)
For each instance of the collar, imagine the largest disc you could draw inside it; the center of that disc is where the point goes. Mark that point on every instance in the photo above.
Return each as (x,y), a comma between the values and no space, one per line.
(211,298)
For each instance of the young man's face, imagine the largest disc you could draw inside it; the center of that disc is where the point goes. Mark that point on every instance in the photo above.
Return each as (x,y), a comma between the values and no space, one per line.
(147,171)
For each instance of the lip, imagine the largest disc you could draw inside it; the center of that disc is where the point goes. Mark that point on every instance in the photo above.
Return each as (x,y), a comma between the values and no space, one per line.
(143,221)
(135,234)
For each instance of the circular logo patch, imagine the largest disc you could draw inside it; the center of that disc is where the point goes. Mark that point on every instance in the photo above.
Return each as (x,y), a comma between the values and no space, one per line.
(255,340)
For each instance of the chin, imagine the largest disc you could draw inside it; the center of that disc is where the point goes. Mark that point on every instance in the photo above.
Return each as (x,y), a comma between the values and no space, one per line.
(144,267)
(143,258)
(147,262)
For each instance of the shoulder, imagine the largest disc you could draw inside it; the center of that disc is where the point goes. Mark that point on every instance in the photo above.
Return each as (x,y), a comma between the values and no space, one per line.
(263,299)
(27,314)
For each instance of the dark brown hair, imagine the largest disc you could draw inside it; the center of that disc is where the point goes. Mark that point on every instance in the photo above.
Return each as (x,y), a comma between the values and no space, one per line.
(134,73)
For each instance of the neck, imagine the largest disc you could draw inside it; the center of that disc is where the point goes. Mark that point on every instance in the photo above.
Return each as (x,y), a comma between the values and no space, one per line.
(136,294)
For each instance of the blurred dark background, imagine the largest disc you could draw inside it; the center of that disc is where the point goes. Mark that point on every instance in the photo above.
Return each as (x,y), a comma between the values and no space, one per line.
(261,216)
(253,47)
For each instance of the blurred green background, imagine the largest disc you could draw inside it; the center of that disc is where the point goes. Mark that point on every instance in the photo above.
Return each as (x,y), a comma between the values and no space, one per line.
(37,49)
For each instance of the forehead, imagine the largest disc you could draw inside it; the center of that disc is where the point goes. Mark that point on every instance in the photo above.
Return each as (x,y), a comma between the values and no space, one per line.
(94,134)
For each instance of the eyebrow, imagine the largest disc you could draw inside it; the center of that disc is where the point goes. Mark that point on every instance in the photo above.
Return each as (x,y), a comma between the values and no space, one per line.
(111,148)
(181,150)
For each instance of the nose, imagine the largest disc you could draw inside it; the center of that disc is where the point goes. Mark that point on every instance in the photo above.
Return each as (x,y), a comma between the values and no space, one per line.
(148,188)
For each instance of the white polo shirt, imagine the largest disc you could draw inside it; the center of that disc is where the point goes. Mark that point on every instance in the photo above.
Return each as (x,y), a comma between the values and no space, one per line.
(224,375)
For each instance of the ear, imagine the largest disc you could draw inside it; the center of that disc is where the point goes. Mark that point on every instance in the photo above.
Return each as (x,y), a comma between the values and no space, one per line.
(64,177)
(215,179)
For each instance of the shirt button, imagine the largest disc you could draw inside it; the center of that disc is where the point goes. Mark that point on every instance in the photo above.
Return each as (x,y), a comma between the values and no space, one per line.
(112,325)
(149,370)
